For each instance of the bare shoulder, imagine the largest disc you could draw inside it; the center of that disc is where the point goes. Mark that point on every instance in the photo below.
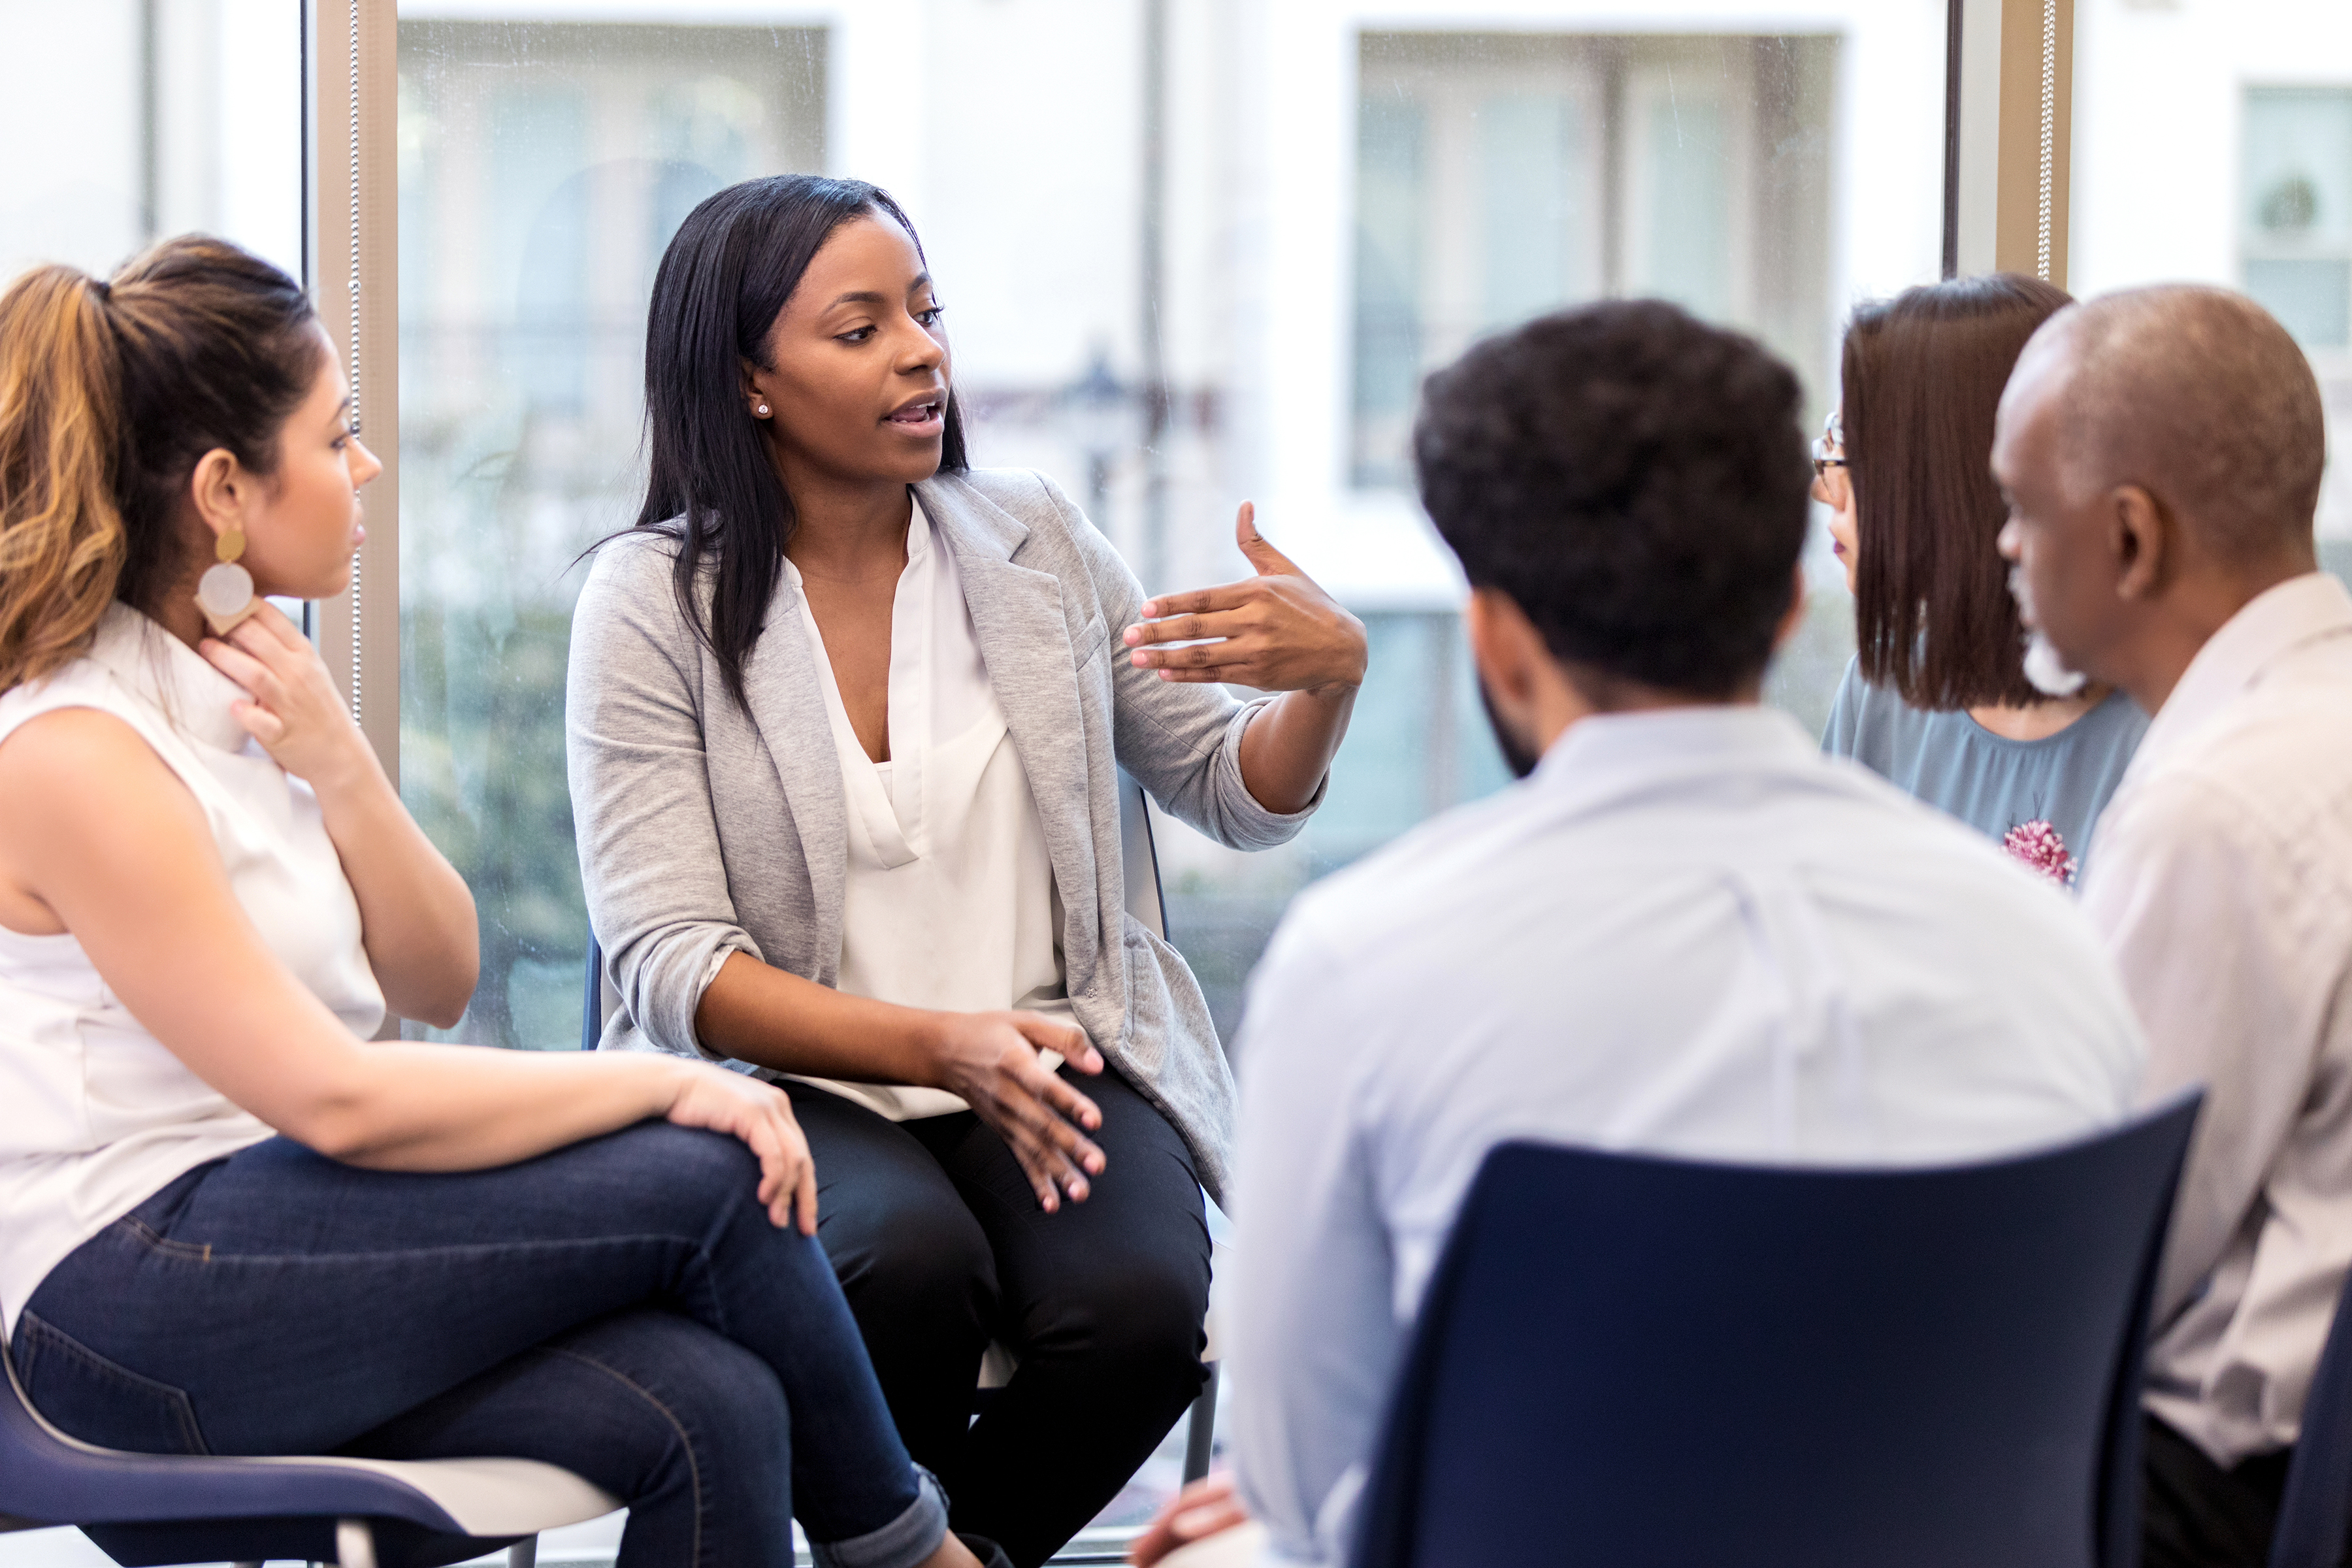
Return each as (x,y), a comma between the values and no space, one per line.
(79,785)
(72,771)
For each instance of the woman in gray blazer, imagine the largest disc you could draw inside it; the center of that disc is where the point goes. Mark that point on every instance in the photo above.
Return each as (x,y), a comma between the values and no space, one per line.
(845,718)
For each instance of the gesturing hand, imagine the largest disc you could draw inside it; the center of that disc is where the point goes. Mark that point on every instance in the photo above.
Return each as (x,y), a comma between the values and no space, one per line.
(291,705)
(1277,631)
(718,1101)
(991,1060)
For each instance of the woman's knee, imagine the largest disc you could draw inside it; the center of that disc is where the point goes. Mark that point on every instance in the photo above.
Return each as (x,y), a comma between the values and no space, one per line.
(924,1257)
(1140,1313)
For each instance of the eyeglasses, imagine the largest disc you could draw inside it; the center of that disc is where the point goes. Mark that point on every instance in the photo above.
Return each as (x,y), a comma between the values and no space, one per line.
(1829,447)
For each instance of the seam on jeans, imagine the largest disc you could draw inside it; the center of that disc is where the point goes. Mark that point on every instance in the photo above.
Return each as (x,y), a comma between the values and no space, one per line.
(195,1252)
(459,1252)
(36,1334)
(685,1439)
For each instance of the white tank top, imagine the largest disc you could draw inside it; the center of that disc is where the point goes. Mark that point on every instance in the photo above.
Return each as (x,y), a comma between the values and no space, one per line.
(101,1115)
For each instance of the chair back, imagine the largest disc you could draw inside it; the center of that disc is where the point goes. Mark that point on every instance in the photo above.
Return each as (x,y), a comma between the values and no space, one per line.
(1634,1361)
(1138,865)
(2315,1519)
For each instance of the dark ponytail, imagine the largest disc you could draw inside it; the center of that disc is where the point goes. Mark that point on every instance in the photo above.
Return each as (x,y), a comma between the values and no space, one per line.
(723,282)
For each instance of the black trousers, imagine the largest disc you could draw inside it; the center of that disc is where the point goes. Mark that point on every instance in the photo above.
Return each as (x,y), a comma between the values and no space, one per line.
(2196,1514)
(941,1247)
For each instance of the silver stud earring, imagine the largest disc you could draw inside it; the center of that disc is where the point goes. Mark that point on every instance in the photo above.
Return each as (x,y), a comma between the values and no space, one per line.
(763,411)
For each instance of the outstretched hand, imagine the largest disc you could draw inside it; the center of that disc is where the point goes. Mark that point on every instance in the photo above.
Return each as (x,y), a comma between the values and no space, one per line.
(1276,631)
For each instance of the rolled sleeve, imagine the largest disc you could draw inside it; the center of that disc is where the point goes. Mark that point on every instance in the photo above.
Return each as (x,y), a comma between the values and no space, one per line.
(1181,740)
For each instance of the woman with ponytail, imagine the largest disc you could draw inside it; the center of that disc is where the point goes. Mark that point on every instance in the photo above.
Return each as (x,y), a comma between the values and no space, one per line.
(230,1224)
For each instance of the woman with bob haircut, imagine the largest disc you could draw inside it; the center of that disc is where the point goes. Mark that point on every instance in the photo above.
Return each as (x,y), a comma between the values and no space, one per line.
(845,721)
(1938,698)
(228,1223)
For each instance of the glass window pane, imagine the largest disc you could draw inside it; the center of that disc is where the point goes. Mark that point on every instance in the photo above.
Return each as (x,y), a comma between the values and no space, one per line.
(1239,302)
(144,119)
(2213,144)
(543,167)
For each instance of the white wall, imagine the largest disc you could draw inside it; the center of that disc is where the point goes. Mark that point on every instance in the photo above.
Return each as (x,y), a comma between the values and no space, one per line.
(2159,89)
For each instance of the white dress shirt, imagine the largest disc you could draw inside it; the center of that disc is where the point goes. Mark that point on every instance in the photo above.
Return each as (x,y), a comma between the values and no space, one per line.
(1688,933)
(950,901)
(2222,884)
(101,1114)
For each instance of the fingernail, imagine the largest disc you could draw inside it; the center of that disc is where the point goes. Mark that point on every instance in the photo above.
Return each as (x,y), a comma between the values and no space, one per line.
(1150,608)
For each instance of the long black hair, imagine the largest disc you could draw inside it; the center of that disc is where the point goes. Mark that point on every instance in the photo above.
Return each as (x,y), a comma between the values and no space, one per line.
(723,282)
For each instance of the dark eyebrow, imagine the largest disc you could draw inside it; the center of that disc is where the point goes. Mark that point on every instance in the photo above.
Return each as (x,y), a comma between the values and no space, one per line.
(869,297)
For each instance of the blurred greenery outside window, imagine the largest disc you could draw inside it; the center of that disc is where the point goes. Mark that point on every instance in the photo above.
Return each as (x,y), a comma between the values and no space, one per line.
(544,168)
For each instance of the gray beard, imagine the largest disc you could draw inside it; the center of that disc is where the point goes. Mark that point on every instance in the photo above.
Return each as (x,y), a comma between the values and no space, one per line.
(2047,672)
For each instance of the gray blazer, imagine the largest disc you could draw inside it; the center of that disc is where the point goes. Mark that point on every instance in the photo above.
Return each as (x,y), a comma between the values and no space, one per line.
(704,829)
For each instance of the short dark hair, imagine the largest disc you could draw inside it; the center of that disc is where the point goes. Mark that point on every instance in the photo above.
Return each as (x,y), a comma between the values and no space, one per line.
(1634,480)
(723,282)
(1934,618)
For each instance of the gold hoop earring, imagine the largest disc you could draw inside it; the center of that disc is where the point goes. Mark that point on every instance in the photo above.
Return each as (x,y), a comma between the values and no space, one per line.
(225,592)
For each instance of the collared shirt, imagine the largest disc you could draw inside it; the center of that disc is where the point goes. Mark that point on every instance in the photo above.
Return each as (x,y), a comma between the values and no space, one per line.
(949,901)
(2224,887)
(1688,933)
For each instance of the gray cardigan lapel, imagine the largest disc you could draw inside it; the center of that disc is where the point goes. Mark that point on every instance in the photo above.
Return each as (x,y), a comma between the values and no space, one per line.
(1024,641)
(785,691)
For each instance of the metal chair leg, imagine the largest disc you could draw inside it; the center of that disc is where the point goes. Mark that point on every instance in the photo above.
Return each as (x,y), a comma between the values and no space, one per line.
(523,1553)
(354,1543)
(1200,1441)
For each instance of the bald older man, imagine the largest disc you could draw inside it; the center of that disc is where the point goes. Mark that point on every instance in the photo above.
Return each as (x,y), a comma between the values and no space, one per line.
(2161,451)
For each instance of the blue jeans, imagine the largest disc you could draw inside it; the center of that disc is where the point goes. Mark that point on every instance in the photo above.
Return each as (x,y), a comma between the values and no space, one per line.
(621,1308)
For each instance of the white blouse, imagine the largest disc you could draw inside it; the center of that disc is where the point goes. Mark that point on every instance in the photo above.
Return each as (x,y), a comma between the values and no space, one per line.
(101,1115)
(950,901)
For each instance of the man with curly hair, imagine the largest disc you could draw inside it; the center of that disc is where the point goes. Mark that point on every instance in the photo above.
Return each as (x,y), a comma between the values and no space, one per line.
(1685,932)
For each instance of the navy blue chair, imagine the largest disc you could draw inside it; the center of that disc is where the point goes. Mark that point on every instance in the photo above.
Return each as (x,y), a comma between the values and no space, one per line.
(146,1508)
(2315,1523)
(1139,864)
(1641,1362)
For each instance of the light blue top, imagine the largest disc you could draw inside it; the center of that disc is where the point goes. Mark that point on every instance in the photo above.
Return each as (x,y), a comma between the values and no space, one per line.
(1988,782)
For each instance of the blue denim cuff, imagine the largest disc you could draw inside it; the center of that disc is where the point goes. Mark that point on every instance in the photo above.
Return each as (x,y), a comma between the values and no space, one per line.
(901,1543)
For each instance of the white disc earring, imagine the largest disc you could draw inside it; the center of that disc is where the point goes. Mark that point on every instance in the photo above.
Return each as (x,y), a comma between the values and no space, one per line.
(225,592)
(763,411)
